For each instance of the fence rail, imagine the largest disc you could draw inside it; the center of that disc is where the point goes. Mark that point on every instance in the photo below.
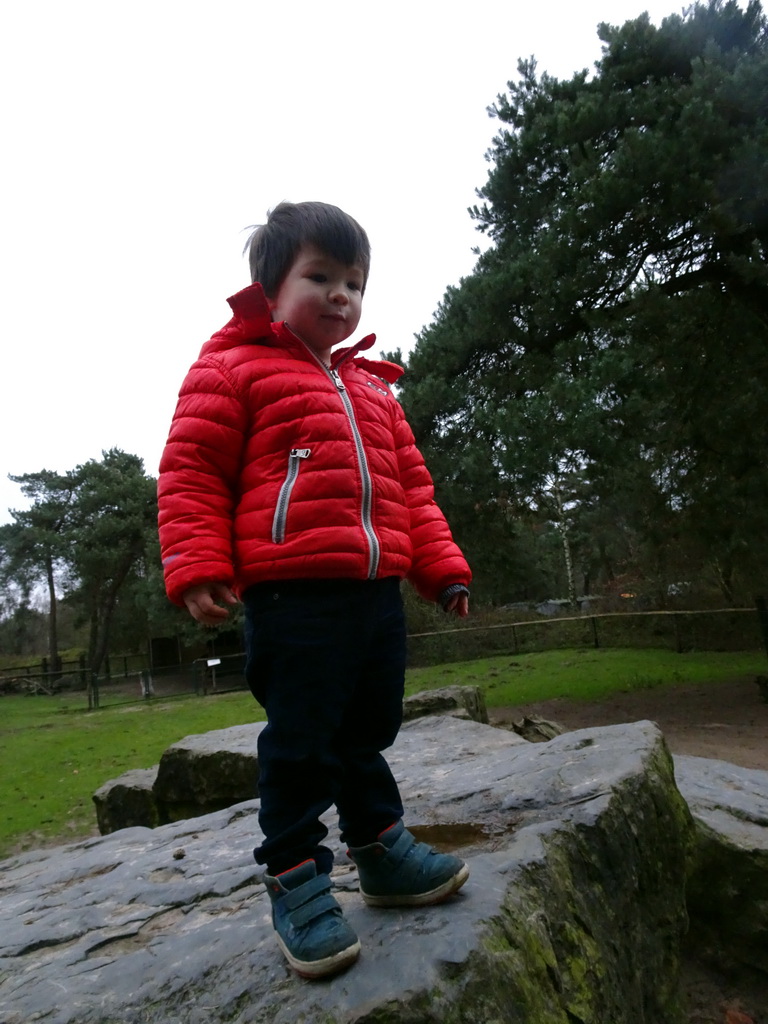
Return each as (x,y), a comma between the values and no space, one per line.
(721,629)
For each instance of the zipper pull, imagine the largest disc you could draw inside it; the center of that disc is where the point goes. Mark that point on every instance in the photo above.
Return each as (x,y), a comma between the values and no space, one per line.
(300,453)
(337,380)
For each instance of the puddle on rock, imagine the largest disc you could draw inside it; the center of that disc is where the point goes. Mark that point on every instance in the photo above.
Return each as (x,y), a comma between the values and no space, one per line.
(452,836)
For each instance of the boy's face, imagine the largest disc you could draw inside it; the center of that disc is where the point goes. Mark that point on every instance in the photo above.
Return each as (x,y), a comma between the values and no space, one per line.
(320,299)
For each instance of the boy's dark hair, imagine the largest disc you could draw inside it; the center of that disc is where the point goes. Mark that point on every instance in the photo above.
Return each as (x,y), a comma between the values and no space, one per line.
(272,247)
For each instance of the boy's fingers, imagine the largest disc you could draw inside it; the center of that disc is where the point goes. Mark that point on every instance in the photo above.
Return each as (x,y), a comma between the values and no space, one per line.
(459,604)
(202,605)
(211,613)
(203,615)
(224,593)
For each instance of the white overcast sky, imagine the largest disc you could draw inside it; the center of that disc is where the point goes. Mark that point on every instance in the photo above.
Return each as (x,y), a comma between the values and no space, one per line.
(140,140)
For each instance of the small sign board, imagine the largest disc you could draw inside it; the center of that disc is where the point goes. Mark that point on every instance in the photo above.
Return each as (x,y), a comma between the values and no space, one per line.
(212,662)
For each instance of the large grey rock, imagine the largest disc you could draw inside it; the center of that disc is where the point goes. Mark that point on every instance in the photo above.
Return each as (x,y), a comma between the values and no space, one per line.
(728,884)
(208,772)
(214,770)
(574,911)
(127,801)
(199,774)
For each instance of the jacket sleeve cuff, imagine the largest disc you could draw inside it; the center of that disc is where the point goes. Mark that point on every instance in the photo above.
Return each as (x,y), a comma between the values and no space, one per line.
(449,592)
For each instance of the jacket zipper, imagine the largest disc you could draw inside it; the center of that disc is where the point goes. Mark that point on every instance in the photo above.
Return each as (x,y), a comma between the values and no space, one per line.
(374,548)
(284,497)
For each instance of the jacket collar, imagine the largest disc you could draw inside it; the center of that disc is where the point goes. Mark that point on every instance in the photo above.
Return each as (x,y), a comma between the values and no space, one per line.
(251,311)
(252,321)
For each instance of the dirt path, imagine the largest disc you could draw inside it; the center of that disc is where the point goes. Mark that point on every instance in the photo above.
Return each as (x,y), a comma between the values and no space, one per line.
(727,721)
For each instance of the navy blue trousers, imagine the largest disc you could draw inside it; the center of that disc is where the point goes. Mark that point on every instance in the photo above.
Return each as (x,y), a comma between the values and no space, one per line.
(326,660)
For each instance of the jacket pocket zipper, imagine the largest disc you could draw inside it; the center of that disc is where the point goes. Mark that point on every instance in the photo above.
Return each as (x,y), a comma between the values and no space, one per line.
(284,497)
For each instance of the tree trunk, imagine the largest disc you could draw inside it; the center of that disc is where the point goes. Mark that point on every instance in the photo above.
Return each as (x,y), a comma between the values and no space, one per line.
(101,637)
(572,601)
(93,631)
(724,574)
(54,664)
(563,528)
(101,617)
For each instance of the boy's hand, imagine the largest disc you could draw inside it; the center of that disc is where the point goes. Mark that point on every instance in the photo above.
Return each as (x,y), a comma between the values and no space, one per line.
(201,602)
(455,600)
(459,604)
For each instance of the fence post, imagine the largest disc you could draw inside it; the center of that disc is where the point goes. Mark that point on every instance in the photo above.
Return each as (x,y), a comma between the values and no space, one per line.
(678,641)
(594,631)
(514,639)
(762,615)
(93,692)
(202,676)
(146,684)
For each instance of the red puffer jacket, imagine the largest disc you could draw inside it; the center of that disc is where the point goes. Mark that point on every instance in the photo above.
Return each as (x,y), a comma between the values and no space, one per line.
(278,468)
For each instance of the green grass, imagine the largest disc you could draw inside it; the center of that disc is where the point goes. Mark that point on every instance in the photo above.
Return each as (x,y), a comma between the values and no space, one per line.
(584,673)
(55,754)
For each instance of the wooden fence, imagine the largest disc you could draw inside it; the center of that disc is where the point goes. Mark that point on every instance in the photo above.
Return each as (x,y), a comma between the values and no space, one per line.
(722,629)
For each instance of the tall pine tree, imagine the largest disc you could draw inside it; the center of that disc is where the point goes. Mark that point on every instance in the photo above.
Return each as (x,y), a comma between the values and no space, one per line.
(618,323)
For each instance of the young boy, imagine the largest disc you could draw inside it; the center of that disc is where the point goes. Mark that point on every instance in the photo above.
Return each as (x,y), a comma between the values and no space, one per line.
(291,479)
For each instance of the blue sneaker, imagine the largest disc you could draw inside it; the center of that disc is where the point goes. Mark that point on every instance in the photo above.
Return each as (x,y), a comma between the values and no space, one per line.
(396,871)
(310,925)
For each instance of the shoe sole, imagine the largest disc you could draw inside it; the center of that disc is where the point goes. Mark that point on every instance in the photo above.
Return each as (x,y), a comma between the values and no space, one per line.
(321,968)
(421,899)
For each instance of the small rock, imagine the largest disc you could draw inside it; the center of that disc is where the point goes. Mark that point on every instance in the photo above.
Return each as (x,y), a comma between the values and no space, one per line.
(465,702)
(537,730)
